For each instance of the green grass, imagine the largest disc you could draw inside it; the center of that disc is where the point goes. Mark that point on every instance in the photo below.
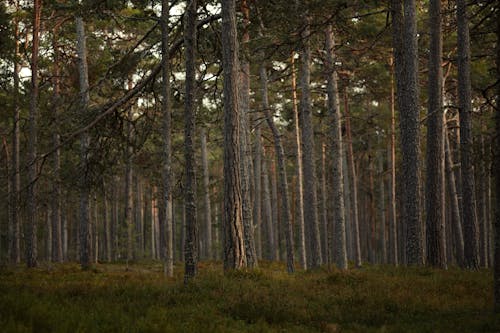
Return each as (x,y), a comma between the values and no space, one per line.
(110,298)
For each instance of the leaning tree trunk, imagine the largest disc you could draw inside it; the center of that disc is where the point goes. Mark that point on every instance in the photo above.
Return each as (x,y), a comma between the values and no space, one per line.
(234,244)
(166,222)
(191,244)
(337,153)
(471,242)
(406,70)
(245,151)
(85,243)
(313,240)
(435,185)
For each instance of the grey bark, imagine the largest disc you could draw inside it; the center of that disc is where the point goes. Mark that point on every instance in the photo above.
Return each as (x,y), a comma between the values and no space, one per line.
(234,245)
(206,196)
(337,153)
(406,70)
(84,230)
(435,161)
(313,241)
(471,232)
(191,244)
(166,222)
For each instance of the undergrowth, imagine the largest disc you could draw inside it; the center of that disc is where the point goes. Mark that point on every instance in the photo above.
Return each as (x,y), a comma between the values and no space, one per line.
(116,298)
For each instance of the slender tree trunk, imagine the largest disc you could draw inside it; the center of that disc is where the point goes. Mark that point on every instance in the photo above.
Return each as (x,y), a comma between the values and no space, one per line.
(300,175)
(326,239)
(128,195)
(234,244)
(106,225)
(393,239)
(471,242)
(271,246)
(482,212)
(166,222)
(337,153)
(406,65)
(31,230)
(381,209)
(206,196)
(354,182)
(15,177)
(85,245)
(435,183)
(191,244)
(246,150)
(257,213)
(313,241)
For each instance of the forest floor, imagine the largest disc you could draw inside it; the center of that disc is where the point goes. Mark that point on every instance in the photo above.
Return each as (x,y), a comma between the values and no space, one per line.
(114,298)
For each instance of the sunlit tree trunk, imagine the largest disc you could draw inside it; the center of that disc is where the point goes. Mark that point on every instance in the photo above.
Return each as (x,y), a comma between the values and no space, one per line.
(234,244)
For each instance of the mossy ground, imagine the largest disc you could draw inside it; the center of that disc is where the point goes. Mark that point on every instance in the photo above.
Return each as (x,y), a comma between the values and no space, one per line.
(114,298)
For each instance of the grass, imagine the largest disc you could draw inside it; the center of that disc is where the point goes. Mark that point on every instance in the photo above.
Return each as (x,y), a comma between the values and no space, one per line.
(112,298)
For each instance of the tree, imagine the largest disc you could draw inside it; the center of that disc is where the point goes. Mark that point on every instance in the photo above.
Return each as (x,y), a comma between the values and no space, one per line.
(191,243)
(206,196)
(166,231)
(435,185)
(406,70)
(471,232)
(496,166)
(337,152)
(234,245)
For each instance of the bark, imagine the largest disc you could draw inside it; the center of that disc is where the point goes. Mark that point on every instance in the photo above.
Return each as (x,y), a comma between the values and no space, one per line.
(268,217)
(326,238)
(393,229)
(381,209)
(354,184)
(191,244)
(128,195)
(300,175)
(471,232)
(234,245)
(496,173)
(257,208)
(435,182)
(482,198)
(31,229)
(84,230)
(313,241)
(15,177)
(206,197)
(166,222)
(337,153)
(246,150)
(406,70)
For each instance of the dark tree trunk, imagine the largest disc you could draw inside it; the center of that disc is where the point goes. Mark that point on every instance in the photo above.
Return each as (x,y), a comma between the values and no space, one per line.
(206,196)
(496,174)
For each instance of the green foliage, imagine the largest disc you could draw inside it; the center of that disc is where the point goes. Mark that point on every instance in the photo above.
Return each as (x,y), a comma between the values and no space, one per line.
(112,298)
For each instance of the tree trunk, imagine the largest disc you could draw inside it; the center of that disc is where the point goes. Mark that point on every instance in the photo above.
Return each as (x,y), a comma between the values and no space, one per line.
(381,209)
(128,195)
(406,70)
(257,213)
(246,150)
(435,184)
(300,175)
(393,229)
(234,244)
(496,167)
(166,222)
(191,244)
(85,246)
(206,197)
(313,241)
(354,182)
(337,153)
(471,245)
(268,215)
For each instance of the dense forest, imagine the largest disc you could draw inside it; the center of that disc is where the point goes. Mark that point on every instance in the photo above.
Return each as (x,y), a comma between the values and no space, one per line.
(313,133)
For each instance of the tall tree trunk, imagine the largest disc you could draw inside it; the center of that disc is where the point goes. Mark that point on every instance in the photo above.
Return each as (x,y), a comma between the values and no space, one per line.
(191,244)
(107,224)
(354,182)
(313,241)
(206,197)
(246,150)
(337,153)
(393,229)
(435,183)
(300,175)
(84,230)
(326,238)
(15,178)
(406,70)
(381,209)
(128,195)
(471,244)
(496,167)
(166,222)
(268,215)
(234,244)
(257,207)
(31,238)
(482,198)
